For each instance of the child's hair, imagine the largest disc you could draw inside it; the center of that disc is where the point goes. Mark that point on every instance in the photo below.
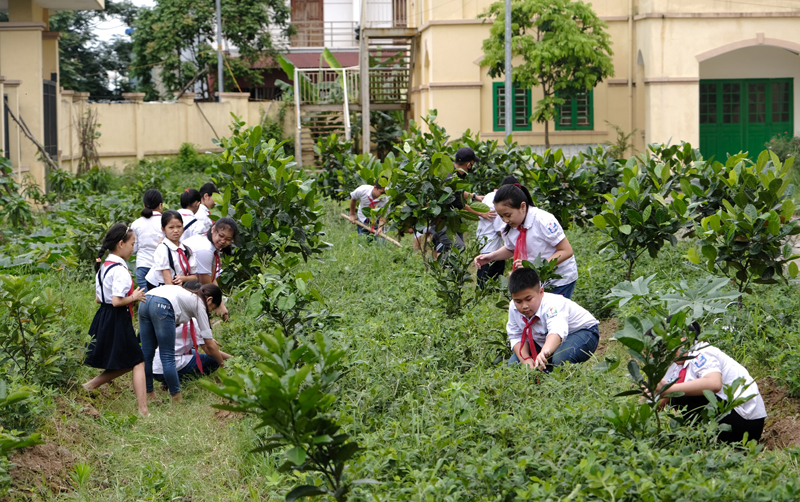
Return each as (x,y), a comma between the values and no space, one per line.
(192,285)
(522,279)
(513,195)
(208,291)
(152,199)
(509,180)
(189,197)
(116,234)
(208,189)
(225,223)
(694,327)
(378,185)
(170,215)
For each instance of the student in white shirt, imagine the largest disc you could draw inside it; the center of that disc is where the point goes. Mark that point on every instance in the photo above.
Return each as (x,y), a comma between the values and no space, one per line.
(165,308)
(190,203)
(148,234)
(371,196)
(188,361)
(530,232)
(544,326)
(489,227)
(207,192)
(709,369)
(173,262)
(114,347)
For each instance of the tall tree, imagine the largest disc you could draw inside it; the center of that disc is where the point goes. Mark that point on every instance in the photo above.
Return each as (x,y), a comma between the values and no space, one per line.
(85,61)
(175,40)
(564,49)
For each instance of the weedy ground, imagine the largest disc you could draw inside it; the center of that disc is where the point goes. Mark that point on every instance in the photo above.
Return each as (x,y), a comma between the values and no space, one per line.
(437,419)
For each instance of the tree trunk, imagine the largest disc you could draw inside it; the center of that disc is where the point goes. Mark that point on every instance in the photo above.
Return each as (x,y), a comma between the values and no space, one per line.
(547,134)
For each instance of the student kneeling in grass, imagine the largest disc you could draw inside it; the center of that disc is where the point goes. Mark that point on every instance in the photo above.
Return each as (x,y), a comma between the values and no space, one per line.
(188,361)
(710,369)
(544,326)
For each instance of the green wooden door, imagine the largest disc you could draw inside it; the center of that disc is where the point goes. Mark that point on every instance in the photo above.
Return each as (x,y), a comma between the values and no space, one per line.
(743,114)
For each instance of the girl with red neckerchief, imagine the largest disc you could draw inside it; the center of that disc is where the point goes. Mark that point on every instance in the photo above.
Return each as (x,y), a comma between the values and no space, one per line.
(115,347)
(173,262)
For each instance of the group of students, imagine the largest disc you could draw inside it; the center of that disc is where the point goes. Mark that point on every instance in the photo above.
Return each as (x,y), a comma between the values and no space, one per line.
(548,329)
(177,268)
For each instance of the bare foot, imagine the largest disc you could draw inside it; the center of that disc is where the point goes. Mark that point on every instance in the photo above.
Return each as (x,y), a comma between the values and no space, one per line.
(144,413)
(177,398)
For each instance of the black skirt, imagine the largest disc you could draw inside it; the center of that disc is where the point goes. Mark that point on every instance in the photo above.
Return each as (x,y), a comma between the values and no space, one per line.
(114,344)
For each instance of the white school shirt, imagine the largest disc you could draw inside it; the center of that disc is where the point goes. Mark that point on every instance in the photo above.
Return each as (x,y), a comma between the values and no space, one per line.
(184,352)
(148,234)
(161,262)
(557,315)
(186,305)
(188,216)
(118,282)
(488,230)
(203,220)
(709,359)
(204,253)
(364,196)
(542,235)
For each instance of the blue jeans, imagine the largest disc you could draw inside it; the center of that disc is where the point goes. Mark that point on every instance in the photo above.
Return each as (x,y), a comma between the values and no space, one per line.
(566,290)
(157,329)
(210,365)
(576,348)
(141,282)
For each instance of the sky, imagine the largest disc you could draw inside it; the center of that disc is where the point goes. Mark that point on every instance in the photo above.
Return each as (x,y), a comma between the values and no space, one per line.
(107,29)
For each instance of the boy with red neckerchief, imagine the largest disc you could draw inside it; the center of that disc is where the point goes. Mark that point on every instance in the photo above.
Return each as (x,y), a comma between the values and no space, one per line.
(371,196)
(545,329)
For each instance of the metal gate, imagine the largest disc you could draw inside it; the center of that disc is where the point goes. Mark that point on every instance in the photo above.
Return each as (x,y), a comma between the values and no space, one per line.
(50,119)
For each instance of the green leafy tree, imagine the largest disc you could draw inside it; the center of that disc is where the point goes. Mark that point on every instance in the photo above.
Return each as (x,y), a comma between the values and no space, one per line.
(178,37)
(84,60)
(564,49)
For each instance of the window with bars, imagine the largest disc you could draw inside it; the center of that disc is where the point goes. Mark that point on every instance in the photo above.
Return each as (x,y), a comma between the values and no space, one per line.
(576,114)
(521,108)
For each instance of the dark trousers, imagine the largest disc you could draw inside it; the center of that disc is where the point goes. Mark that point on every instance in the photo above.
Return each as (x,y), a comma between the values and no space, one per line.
(694,404)
(490,271)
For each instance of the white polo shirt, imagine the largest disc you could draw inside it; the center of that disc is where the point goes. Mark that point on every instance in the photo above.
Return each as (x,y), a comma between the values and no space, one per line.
(489,230)
(185,305)
(161,262)
(543,233)
(709,359)
(118,281)
(556,314)
(204,253)
(203,220)
(364,196)
(184,349)
(148,234)
(194,229)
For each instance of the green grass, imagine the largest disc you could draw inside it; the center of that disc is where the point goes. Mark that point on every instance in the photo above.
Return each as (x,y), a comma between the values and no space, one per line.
(438,421)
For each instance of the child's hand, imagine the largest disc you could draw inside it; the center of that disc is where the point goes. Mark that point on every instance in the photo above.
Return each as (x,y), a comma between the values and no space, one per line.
(177,281)
(223,312)
(352,219)
(541,361)
(479,198)
(490,215)
(517,264)
(481,260)
(138,295)
(530,363)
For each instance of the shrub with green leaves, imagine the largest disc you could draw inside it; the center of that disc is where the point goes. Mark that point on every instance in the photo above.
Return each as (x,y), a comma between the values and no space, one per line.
(14,209)
(335,159)
(636,216)
(274,203)
(11,439)
(560,185)
(747,239)
(495,162)
(454,282)
(31,344)
(292,393)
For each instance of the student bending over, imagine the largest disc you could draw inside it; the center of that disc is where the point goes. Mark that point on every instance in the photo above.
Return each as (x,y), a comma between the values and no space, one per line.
(710,369)
(545,326)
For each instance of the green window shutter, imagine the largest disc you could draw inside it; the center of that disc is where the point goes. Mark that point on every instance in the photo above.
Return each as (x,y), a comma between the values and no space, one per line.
(521,106)
(577,113)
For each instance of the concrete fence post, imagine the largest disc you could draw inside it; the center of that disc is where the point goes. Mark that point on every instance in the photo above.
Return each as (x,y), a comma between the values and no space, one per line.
(138,139)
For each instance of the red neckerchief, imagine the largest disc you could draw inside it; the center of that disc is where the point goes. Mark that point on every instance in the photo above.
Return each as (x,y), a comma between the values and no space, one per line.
(527,336)
(183,262)
(372,202)
(130,291)
(521,247)
(194,343)
(681,375)
(217,265)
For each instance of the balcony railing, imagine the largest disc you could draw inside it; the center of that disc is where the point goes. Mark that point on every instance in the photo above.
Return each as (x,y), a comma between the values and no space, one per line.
(328,86)
(331,34)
